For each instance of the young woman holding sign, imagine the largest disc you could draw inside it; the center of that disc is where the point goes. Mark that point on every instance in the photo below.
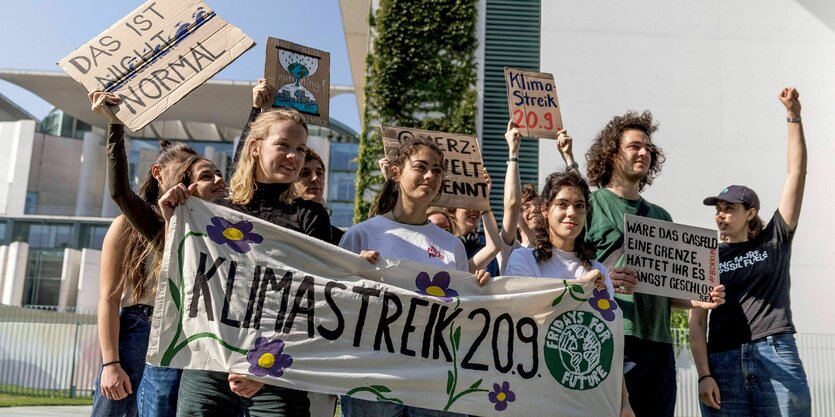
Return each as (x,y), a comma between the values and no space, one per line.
(750,365)
(270,160)
(560,248)
(401,230)
(130,285)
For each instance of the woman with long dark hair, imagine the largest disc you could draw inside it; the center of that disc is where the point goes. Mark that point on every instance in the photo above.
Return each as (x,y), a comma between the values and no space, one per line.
(749,365)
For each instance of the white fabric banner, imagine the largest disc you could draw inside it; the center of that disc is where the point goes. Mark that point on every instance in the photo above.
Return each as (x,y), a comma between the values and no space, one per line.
(241,295)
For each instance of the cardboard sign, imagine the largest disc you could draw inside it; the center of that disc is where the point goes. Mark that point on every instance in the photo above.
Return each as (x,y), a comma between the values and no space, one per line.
(238,294)
(532,102)
(301,79)
(464,186)
(671,259)
(155,56)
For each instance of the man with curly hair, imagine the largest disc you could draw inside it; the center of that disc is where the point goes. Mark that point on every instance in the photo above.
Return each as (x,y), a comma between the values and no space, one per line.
(621,162)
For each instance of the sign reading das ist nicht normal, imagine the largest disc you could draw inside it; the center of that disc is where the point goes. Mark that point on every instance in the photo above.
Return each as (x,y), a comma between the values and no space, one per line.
(532,102)
(238,294)
(673,260)
(155,56)
(464,185)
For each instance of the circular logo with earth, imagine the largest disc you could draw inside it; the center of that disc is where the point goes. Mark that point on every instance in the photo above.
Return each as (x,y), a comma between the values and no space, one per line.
(579,350)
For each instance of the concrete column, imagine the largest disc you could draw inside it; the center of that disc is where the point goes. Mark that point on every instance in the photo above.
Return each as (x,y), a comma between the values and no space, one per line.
(69,279)
(15,275)
(87,294)
(17,139)
(88,200)
(4,252)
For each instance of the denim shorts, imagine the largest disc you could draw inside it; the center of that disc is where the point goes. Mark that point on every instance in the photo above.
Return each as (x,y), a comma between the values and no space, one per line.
(762,378)
(134,330)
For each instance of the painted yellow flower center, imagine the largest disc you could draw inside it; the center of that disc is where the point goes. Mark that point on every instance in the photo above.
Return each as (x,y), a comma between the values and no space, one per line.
(501,396)
(435,291)
(266,360)
(233,234)
(603,304)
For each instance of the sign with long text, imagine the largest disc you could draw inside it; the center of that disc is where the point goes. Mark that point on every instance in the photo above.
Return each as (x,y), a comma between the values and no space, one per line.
(155,56)
(241,295)
(673,260)
(300,77)
(464,185)
(532,102)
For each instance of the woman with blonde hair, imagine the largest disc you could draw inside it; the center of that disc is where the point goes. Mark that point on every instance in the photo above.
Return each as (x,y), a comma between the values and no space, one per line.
(271,157)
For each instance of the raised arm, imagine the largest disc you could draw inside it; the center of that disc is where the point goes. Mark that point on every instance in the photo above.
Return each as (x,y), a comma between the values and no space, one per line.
(491,235)
(512,185)
(792,197)
(260,96)
(139,213)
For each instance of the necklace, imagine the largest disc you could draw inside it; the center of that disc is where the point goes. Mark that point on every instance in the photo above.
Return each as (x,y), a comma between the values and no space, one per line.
(397,219)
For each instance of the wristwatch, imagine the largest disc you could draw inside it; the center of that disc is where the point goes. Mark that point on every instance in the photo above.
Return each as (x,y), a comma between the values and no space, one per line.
(573,166)
(793,119)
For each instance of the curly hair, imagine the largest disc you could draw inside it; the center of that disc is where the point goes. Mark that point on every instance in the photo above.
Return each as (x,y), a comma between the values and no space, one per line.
(553,184)
(600,159)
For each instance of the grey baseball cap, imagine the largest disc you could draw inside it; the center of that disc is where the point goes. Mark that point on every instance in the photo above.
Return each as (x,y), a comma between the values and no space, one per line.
(736,194)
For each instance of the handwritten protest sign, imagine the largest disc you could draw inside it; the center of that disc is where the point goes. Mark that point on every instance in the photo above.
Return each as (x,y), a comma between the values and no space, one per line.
(238,294)
(532,102)
(155,56)
(671,259)
(464,186)
(300,77)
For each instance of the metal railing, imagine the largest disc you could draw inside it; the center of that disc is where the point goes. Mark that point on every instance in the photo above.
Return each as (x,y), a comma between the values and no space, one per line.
(47,353)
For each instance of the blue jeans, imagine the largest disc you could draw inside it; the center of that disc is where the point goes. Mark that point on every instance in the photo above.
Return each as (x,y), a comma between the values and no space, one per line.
(355,407)
(134,329)
(650,376)
(158,391)
(762,378)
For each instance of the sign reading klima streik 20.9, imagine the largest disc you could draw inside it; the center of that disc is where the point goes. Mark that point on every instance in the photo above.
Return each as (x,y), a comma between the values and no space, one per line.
(532,102)
(155,56)
(241,295)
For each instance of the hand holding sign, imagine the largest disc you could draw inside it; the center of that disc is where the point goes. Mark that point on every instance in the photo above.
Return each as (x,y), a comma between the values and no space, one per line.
(101,105)
(261,94)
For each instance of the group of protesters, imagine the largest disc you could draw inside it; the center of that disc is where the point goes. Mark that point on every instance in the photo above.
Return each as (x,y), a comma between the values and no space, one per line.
(745,354)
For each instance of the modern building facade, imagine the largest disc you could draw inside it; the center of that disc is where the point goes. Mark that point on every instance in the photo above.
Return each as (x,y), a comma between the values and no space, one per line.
(54,204)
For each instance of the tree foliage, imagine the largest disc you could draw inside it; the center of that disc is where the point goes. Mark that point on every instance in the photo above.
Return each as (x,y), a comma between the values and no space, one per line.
(420,73)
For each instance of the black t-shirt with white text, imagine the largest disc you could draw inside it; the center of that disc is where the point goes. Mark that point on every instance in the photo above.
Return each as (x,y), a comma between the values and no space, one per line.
(757,283)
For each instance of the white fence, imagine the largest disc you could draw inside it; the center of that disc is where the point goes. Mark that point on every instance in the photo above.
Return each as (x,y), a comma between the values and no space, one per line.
(49,353)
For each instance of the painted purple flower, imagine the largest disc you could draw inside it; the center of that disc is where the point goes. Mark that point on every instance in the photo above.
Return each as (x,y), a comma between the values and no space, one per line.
(238,235)
(601,302)
(267,359)
(501,396)
(436,287)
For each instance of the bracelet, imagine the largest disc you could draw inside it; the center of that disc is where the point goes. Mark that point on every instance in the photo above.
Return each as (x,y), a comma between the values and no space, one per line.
(490,210)
(573,166)
(109,363)
(703,377)
(793,119)
(512,159)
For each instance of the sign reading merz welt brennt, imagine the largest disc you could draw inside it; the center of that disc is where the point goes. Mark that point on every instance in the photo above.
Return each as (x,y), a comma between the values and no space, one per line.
(155,56)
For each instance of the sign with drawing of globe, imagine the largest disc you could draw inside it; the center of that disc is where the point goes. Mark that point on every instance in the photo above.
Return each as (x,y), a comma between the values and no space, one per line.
(578,350)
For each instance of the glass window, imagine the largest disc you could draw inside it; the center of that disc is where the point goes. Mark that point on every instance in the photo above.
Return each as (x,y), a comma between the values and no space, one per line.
(31,204)
(92,236)
(3,233)
(341,186)
(343,214)
(43,277)
(343,156)
(50,235)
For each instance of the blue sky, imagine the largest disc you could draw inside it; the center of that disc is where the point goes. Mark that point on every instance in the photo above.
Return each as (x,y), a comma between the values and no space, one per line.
(37,33)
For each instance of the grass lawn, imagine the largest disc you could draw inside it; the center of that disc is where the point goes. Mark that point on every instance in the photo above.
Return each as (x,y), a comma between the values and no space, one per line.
(9,400)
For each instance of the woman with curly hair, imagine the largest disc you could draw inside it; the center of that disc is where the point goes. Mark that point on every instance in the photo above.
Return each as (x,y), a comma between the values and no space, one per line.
(621,162)
(560,249)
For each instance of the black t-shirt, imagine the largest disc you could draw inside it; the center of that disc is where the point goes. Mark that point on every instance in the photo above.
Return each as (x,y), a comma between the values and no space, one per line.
(757,283)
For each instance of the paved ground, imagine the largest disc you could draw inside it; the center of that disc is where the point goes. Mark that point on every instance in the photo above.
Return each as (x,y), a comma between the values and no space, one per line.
(54,411)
